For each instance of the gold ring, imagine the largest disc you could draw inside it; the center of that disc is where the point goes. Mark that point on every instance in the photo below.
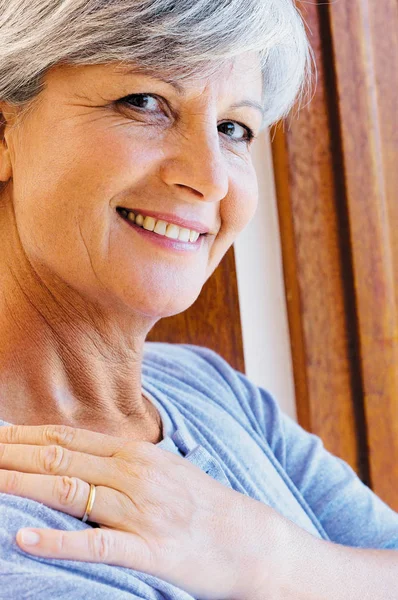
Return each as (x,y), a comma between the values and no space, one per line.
(90,503)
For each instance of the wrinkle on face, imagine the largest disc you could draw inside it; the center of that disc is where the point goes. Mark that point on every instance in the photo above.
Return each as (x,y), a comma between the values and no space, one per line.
(87,250)
(92,156)
(99,288)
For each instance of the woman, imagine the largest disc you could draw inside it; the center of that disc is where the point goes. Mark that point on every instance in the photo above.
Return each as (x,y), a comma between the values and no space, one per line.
(151,470)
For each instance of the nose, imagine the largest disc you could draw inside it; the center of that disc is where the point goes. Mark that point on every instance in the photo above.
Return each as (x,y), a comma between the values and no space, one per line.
(197,163)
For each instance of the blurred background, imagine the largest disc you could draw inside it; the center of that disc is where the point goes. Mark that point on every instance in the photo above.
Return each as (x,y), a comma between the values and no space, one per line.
(305,302)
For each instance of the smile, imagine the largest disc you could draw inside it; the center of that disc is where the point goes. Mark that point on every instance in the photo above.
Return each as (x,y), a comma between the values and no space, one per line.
(159,227)
(163,240)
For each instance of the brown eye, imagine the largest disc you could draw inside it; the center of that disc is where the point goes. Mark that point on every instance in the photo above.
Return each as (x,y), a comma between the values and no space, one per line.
(144,102)
(140,101)
(232,126)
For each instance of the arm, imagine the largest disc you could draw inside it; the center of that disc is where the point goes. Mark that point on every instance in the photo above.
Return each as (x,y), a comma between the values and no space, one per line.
(313,569)
(348,511)
(333,572)
(354,565)
(358,561)
(341,506)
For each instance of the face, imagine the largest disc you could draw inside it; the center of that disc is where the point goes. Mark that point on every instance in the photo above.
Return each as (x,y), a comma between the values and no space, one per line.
(94,143)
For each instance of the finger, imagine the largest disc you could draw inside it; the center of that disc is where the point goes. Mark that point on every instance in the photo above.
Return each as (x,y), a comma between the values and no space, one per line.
(91,545)
(55,460)
(72,438)
(66,494)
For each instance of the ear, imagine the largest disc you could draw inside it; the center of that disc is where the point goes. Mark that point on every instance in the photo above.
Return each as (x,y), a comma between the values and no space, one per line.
(5,159)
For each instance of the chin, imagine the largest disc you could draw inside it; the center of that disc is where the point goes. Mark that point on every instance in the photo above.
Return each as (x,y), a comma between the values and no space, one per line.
(162,310)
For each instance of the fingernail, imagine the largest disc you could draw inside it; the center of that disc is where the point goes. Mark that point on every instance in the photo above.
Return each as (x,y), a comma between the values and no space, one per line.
(29,538)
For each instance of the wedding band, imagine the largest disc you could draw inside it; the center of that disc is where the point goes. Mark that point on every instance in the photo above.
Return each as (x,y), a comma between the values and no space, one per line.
(90,503)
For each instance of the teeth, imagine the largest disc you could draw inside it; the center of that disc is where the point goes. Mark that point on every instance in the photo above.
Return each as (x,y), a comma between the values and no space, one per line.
(193,236)
(172,231)
(163,228)
(139,219)
(184,235)
(149,223)
(160,227)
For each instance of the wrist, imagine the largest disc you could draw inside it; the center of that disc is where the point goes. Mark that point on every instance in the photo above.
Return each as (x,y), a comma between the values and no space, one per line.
(265,565)
(304,555)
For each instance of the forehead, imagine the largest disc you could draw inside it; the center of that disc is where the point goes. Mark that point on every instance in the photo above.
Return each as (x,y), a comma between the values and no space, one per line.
(243,71)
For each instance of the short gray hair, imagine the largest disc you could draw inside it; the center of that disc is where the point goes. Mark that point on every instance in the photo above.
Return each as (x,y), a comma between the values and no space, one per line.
(181,38)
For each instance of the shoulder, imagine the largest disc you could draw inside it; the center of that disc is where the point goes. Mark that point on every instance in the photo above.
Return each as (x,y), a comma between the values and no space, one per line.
(25,576)
(203,373)
(175,358)
(198,367)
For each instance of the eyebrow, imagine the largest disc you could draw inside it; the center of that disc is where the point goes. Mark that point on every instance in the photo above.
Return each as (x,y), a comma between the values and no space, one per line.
(249,103)
(134,71)
(181,91)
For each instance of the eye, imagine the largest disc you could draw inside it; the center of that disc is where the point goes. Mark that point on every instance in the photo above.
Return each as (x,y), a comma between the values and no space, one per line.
(140,101)
(233,126)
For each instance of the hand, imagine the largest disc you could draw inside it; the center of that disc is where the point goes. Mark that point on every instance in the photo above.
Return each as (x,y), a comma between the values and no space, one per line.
(157,512)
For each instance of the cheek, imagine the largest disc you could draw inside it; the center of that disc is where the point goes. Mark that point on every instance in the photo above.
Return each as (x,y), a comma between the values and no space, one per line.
(240,208)
(236,211)
(63,187)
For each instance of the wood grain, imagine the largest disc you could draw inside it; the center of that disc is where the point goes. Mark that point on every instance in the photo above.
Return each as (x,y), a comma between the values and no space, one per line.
(366,59)
(337,179)
(316,258)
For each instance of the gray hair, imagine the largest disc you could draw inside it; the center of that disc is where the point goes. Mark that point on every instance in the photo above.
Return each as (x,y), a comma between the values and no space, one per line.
(179,38)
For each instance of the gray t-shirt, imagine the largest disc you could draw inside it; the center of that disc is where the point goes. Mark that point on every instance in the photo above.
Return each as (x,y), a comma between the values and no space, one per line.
(215,417)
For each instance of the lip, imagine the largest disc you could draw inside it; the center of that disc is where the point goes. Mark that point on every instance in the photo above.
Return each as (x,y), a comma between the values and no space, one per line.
(188,224)
(165,242)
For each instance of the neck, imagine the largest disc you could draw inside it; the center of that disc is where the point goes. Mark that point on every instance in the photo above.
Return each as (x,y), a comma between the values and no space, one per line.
(64,361)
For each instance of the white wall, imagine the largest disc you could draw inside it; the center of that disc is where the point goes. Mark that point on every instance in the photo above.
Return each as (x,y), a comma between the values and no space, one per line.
(261,290)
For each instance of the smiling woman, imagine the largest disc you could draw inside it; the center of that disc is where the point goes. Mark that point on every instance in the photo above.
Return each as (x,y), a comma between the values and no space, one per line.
(126,133)
(145,109)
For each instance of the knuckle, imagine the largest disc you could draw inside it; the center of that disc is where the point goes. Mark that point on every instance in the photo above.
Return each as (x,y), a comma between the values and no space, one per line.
(99,542)
(12,434)
(147,450)
(59,434)
(153,473)
(61,542)
(54,458)
(136,451)
(142,464)
(13,482)
(67,490)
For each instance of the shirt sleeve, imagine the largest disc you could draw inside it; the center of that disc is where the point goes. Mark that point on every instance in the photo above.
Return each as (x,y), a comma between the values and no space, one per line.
(349,511)
(24,576)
